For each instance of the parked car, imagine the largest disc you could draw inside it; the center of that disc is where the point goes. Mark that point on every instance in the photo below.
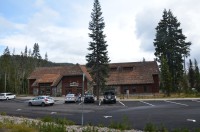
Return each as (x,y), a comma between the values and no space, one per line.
(41,100)
(89,98)
(109,97)
(7,96)
(71,98)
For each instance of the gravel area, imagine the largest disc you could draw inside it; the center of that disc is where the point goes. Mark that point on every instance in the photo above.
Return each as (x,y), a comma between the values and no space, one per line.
(71,128)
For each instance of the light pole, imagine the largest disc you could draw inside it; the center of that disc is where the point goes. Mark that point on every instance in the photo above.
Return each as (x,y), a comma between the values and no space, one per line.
(82,98)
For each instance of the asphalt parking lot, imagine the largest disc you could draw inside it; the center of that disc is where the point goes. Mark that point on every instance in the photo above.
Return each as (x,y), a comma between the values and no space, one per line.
(181,113)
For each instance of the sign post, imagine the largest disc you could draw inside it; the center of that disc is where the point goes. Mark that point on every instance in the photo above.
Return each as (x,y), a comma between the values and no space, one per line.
(82,98)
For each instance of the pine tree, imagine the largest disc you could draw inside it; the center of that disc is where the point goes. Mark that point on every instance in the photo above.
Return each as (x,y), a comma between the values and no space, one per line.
(191,74)
(170,42)
(36,51)
(46,57)
(97,59)
(166,78)
(197,76)
(26,52)
(6,60)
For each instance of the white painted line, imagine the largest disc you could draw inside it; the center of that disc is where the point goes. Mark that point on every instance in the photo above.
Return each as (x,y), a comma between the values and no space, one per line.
(192,120)
(196,101)
(122,103)
(18,109)
(80,103)
(147,103)
(52,113)
(176,103)
(99,102)
(107,116)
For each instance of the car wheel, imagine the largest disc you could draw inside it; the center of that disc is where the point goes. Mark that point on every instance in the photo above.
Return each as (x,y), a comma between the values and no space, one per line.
(43,104)
(29,104)
(7,98)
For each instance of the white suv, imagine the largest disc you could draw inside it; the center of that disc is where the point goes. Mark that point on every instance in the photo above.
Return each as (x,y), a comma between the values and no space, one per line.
(7,96)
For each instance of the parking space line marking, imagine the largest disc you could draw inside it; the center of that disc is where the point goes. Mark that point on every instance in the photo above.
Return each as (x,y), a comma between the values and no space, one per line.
(52,113)
(122,103)
(107,116)
(146,103)
(196,101)
(192,120)
(80,103)
(176,103)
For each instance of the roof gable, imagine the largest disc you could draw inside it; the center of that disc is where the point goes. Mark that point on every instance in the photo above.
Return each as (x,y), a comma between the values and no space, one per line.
(53,75)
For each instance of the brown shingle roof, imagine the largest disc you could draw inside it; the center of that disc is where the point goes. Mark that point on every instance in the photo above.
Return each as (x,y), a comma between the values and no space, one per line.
(132,73)
(54,74)
(120,74)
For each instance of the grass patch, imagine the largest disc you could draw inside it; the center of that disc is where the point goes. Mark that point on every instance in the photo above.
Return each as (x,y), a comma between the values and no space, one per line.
(3,113)
(123,125)
(62,121)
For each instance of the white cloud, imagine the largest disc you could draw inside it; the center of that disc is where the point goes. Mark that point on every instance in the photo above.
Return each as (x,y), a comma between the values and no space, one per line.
(130,28)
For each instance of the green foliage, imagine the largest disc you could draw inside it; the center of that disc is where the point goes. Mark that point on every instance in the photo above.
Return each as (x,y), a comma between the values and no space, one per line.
(15,69)
(51,127)
(197,76)
(62,121)
(150,128)
(170,43)
(27,126)
(3,113)
(166,78)
(181,130)
(90,129)
(153,128)
(191,74)
(124,125)
(97,59)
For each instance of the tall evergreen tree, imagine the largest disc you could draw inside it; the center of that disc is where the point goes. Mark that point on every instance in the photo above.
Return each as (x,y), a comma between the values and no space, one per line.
(36,51)
(197,76)
(46,57)
(170,42)
(6,60)
(191,74)
(97,59)
(26,52)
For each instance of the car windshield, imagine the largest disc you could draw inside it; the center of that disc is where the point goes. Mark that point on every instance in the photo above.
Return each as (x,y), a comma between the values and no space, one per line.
(88,95)
(70,95)
(108,93)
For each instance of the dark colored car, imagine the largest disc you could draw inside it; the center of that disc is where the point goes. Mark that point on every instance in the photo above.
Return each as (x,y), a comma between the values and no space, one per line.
(109,97)
(89,98)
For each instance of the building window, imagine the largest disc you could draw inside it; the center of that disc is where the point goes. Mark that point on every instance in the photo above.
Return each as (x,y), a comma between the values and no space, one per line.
(113,69)
(127,69)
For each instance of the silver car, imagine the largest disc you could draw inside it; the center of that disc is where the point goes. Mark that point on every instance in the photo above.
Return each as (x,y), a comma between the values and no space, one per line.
(41,100)
(7,96)
(71,98)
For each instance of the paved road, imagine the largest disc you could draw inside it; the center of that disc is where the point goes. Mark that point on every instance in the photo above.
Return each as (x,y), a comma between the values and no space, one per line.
(170,113)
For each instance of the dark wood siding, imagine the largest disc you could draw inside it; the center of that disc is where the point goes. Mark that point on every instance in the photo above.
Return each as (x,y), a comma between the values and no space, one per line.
(73,84)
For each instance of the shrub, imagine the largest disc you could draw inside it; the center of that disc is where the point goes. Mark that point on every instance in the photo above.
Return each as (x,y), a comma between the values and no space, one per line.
(124,125)
(150,128)
(3,113)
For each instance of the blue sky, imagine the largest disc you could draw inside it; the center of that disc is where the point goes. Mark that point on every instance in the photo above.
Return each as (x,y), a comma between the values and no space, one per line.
(60,27)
